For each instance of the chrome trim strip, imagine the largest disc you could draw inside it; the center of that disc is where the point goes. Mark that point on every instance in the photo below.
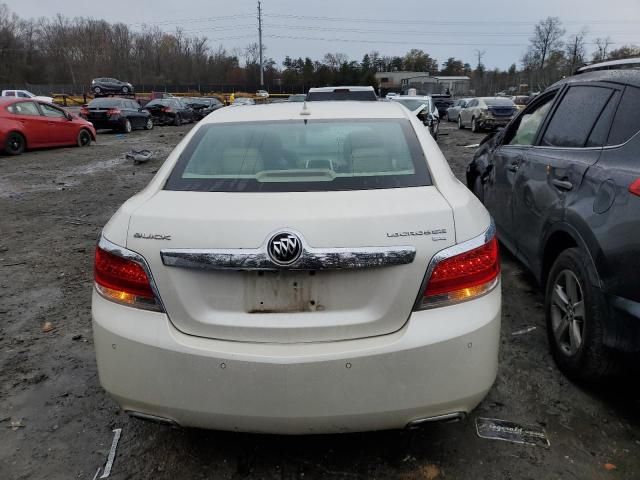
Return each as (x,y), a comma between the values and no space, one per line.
(111,247)
(446,418)
(310,259)
(452,251)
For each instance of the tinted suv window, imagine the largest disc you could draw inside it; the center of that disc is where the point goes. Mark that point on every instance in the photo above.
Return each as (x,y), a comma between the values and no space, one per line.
(525,128)
(627,120)
(576,116)
(301,155)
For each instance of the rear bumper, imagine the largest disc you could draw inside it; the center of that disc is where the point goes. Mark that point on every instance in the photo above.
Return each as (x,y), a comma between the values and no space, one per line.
(493,122)
(107,124)
(442,361)
(623,329)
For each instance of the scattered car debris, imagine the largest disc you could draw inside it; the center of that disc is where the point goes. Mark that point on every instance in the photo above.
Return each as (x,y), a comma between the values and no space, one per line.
(112,454)
(48,327)
(609,466)
(523,331)
(139,156)
(16,424)
(473,145)
(495,429)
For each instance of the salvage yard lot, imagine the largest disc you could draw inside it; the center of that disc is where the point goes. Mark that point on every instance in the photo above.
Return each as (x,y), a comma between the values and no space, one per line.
(56,422)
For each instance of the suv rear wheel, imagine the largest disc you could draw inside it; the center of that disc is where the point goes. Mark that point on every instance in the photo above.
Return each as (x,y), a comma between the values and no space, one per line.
(576,313)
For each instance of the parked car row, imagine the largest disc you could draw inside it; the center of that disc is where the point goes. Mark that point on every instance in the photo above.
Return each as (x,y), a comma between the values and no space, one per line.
(31,122)
(562,182)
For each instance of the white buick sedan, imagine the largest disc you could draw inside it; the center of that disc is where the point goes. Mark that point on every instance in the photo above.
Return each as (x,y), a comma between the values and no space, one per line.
(300,268)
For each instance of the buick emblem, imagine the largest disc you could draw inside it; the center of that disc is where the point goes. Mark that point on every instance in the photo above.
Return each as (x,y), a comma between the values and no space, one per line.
(284,248)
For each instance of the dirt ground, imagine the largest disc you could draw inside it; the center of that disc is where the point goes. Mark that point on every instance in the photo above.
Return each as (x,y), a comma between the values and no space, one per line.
(56,422)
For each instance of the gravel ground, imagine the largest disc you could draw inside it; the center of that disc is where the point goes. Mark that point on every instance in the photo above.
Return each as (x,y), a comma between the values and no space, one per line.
(56,422)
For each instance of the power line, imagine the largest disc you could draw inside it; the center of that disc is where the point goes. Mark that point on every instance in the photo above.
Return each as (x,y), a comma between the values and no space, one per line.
(414,43)
(431,22)
(422,33)
(194,20)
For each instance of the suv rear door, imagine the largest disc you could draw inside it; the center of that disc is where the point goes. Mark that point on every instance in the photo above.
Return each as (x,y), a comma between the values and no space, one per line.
(551,172)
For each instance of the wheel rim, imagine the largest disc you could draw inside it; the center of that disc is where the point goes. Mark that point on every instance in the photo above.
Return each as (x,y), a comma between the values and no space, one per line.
(567,312)
(459,121)
(84,139)
(149,124)
(125,89)
(97,90)
(473,124)
(127,126)
(14,143)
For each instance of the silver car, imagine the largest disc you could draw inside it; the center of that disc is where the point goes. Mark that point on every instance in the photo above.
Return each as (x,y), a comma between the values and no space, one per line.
(487,113)
(454,110)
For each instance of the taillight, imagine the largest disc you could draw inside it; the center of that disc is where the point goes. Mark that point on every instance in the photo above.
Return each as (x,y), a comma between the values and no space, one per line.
(167,110)
(635,187)
(461,273)
(120,276)
(113,111)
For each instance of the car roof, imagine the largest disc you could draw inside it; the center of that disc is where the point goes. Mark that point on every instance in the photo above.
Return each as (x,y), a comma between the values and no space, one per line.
(334,110)
(622,77)
(340,87)
(411,97)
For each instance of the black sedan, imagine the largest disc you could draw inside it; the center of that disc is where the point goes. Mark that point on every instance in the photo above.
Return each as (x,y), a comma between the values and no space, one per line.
(116,113)
(107,85)
(170,111)
(202,106)
(562,183)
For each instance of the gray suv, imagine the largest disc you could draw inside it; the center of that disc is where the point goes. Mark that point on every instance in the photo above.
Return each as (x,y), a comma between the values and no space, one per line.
(562,182)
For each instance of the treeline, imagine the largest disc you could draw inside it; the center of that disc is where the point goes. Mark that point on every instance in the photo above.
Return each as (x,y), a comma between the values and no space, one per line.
(61,50)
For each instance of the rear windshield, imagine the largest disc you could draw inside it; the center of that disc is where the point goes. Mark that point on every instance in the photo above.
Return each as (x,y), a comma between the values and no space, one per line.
(105,102)
(412,104)
(341,95)
(163,102)
(301,155)
(498,102)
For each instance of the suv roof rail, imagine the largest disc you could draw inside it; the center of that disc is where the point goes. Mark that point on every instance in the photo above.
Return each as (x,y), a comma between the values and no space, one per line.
(610,65)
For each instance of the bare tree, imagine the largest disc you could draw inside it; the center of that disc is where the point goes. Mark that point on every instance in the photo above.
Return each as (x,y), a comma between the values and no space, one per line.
(602,46)
(576,50)
(547,38)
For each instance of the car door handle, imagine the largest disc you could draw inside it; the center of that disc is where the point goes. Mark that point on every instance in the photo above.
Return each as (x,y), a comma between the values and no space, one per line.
(562,184)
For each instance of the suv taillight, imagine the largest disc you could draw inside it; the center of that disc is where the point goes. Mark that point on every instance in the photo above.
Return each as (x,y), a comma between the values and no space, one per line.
(122,279)
(635,187)
(459,274)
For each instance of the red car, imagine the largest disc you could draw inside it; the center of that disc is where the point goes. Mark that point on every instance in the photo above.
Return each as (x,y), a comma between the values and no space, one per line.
(27,123)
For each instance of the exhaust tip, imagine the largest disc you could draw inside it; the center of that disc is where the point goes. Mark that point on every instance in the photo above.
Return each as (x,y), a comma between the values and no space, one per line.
(446,418)
(152,418)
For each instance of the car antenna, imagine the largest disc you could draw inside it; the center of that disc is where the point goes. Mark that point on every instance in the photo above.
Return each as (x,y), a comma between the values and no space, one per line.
(305,110)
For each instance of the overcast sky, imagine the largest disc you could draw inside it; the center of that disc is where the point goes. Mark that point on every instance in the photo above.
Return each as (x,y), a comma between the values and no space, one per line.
(453,28)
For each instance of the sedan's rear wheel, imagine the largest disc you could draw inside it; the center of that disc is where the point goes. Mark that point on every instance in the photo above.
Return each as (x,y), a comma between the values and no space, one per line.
(16,144)
(576,316)
(460,125)
(149,124)
(474,125)
(84,138)
(127,126)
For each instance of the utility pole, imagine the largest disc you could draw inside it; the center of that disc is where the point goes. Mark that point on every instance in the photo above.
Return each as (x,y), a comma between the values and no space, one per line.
(260,43)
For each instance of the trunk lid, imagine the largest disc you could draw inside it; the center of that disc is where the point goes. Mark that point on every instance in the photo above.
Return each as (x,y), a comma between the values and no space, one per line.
(287,306)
